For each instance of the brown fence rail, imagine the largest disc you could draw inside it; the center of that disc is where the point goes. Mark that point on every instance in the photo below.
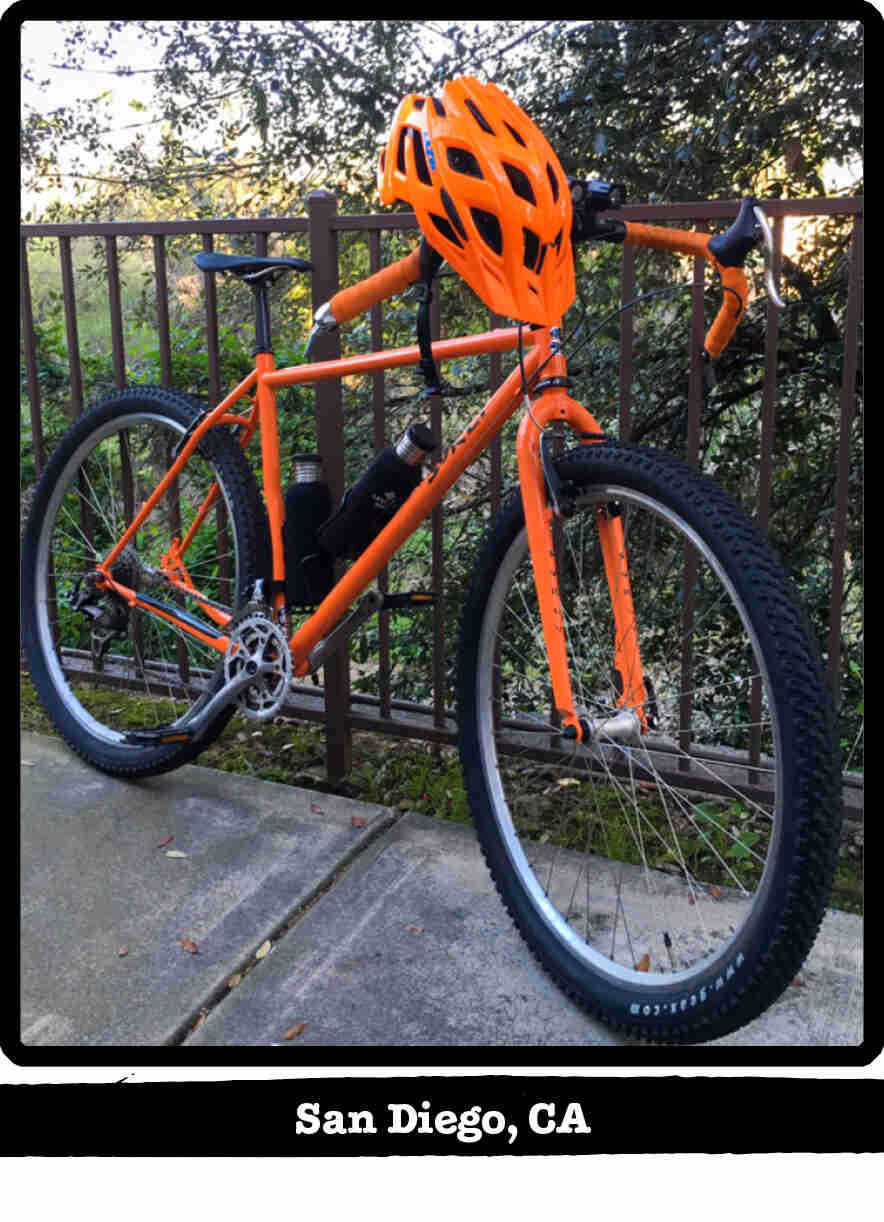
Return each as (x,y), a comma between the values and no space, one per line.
(334,704)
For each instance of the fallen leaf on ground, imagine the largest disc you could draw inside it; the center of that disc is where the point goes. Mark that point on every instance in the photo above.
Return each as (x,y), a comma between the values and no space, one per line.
(263,949)
(716,892)
(234,980)
(189,945)
(415,929)
(357,821)
(293,1031)
(124,950)
(175,853)
(644,963)
(165,842)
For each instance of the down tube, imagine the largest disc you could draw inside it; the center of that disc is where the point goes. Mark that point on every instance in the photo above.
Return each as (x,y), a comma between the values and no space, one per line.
(419,505)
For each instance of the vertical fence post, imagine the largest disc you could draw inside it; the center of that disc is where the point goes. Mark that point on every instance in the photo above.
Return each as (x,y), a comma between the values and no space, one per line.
(692,456)
(438,545)
(379,423)
(115,308)
(842,489)
(765,470)
(30,355)
(627,336)
(70,319)
(162,299)
(321,208)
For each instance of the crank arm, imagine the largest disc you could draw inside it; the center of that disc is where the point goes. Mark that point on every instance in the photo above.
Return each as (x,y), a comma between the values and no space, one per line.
(365,608)
(191,727)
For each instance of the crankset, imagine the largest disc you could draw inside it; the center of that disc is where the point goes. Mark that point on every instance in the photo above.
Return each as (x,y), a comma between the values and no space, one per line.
(258,648)
(257,672)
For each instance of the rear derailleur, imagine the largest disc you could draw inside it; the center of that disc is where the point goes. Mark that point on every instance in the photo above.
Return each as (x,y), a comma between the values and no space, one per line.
(107,611)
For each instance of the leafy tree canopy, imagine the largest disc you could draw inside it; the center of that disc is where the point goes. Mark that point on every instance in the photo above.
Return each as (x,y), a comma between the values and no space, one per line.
(677,110)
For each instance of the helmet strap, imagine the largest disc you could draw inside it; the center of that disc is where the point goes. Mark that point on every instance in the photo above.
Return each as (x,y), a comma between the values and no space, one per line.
(430,262)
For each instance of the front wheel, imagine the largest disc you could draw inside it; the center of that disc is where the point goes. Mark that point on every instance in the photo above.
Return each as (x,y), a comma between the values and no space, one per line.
(672,882)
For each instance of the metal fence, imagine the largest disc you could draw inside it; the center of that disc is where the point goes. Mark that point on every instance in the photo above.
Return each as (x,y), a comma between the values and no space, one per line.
(341,709)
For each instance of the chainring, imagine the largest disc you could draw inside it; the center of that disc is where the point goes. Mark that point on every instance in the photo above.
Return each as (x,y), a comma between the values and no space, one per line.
(256,641)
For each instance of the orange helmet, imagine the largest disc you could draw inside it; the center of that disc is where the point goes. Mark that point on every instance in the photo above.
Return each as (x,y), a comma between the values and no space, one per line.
(490,195)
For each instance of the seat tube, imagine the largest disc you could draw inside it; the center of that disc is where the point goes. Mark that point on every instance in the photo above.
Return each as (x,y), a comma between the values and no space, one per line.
(272,470)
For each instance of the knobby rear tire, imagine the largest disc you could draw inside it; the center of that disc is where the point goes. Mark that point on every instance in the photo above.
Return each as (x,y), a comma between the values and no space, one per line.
(81,484)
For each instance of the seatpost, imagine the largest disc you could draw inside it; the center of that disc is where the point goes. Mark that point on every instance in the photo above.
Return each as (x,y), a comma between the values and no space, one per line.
(262,315)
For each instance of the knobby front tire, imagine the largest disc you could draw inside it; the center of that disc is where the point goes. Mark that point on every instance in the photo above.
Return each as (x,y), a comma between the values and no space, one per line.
(672,885)
(150,673)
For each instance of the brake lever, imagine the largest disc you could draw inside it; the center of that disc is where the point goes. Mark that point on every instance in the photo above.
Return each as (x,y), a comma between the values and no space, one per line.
(767,237)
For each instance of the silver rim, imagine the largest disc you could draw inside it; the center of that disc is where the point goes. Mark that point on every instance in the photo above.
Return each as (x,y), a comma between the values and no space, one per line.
(158,672)
(645,861)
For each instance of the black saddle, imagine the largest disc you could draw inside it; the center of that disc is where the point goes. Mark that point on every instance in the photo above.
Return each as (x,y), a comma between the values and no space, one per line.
(249,267)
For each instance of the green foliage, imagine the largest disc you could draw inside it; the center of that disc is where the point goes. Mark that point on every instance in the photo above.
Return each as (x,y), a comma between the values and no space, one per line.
(255,115)
(675,109)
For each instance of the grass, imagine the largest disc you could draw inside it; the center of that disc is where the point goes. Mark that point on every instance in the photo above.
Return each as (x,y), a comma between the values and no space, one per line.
(427,778)
(386,770)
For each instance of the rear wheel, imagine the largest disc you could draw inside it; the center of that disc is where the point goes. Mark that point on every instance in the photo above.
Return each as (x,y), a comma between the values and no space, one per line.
(101,668)
(672,882)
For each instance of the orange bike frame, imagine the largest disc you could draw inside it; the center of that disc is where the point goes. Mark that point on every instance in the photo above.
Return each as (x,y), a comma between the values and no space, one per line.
(553,404)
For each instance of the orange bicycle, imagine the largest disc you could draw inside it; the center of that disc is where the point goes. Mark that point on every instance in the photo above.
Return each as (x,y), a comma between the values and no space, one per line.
(645,734)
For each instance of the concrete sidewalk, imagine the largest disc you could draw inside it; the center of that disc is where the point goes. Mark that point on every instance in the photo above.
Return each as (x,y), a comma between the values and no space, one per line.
(147,907)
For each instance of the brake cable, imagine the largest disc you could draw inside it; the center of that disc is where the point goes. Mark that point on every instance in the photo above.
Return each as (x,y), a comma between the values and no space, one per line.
(669,289)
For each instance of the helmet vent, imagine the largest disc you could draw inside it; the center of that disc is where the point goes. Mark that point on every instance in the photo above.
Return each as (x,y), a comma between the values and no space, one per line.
(531,248)
(445,229)
(448,204)
(553,182)
(400,149)
(419,103)
(462,161)
(519,182)
(420,160)
(478,116)
(515,135)
(489,229)
(438,107)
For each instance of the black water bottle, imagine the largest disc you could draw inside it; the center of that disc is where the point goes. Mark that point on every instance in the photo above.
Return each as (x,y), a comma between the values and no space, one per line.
(308,503)
(370,504)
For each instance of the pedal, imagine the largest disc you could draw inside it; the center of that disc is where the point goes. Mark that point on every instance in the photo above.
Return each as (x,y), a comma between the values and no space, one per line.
(157,737)
(408,601)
